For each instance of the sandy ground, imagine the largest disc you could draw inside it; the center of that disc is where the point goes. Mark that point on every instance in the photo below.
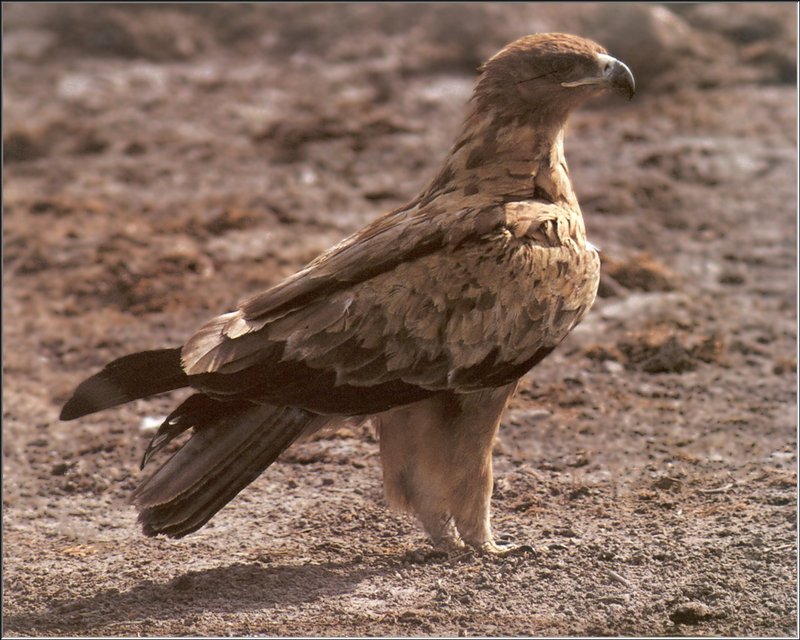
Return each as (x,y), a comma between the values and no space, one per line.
(162,163)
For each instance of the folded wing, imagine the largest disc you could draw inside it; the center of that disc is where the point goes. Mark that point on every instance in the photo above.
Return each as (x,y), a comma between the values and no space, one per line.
(393,317)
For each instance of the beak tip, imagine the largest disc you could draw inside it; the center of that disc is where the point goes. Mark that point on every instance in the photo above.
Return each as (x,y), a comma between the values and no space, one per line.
(623,78)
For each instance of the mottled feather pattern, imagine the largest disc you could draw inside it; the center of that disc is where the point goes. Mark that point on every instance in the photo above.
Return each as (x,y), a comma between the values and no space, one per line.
(507,292)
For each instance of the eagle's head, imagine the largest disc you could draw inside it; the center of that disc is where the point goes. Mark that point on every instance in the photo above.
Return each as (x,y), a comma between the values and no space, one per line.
(550,74)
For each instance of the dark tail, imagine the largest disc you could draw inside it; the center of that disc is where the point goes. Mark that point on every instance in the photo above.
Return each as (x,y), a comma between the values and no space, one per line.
(231,445)
(128,378)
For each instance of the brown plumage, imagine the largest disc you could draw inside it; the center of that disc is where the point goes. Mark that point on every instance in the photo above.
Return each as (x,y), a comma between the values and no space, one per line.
(425,319)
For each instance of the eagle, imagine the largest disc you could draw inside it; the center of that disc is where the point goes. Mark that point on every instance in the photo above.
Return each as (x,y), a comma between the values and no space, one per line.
(424,320)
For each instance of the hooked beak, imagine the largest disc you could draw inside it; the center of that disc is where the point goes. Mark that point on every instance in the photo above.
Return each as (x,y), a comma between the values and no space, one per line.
(615,75)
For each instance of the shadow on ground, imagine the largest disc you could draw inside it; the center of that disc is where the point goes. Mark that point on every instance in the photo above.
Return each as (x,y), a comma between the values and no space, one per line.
(231,589)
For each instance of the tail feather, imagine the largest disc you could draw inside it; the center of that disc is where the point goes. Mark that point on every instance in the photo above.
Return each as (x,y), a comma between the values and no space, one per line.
(196,410)
(223,456)
(128,378)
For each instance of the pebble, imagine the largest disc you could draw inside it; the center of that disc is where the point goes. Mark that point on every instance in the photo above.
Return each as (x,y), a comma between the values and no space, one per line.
(612,366)
(691,613)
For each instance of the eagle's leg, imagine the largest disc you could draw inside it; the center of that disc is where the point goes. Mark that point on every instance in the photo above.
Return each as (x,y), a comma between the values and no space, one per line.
(412,473)
(473,429)
(437,463)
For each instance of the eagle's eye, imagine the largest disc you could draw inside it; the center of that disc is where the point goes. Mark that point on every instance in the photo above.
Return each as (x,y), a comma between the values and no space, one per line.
(561,66)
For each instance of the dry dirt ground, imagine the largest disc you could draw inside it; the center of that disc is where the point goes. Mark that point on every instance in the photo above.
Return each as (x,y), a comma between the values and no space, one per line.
(161,163)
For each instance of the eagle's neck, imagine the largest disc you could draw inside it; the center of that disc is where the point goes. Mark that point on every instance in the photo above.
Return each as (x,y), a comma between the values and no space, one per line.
(496,160)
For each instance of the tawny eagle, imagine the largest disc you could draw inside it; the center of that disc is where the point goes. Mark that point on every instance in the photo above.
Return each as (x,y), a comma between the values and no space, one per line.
(425,319)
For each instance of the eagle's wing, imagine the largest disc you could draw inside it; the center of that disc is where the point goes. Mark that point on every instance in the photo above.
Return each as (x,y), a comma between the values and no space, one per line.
(390,240)
(397,312)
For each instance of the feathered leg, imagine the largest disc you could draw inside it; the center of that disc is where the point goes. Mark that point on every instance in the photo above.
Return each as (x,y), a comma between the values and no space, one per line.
(437,463)
(474,429)
(412,476)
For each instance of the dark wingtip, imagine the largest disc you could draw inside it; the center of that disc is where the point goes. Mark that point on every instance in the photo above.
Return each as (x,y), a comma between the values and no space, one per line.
(130,377)
(74,408)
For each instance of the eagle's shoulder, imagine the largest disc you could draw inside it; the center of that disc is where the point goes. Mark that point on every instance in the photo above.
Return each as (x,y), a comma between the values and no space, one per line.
(546,223)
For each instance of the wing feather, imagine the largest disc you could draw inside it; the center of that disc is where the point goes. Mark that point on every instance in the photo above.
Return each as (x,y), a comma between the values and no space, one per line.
(474,309)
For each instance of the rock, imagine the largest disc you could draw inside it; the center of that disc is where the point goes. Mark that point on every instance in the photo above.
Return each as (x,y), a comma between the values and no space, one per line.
(613,367)
(691,613)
